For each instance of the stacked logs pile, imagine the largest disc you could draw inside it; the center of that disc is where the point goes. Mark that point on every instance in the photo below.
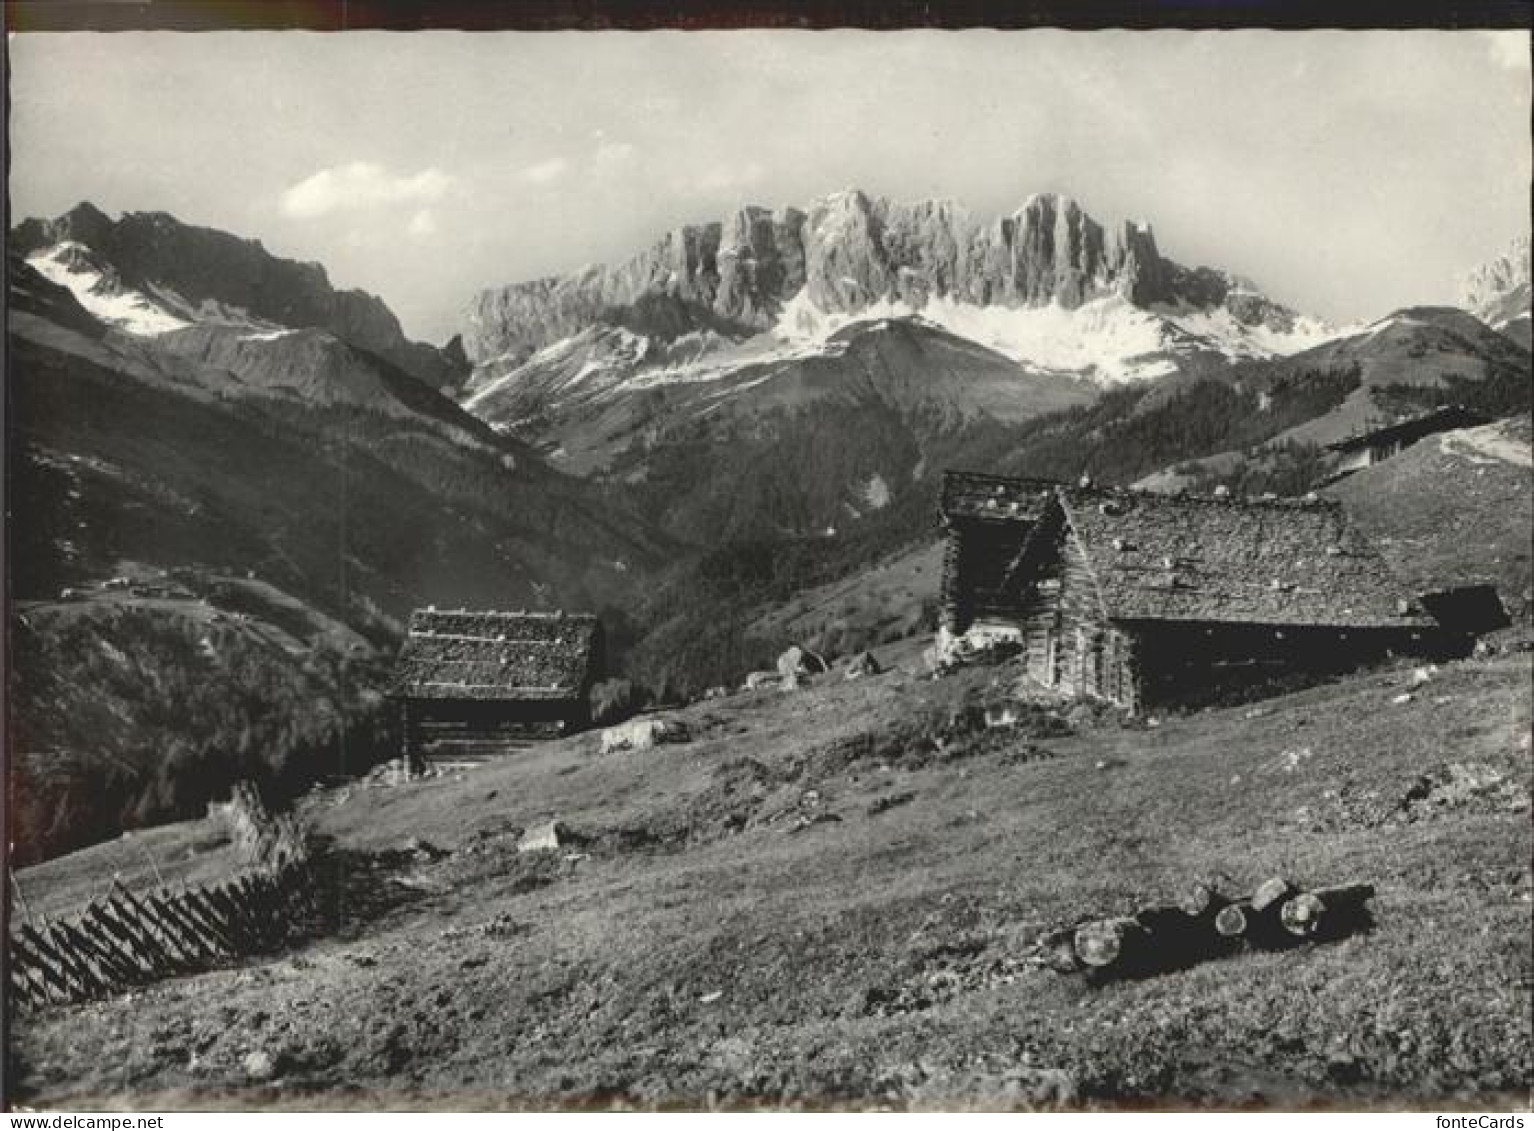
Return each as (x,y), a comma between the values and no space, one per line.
(126,939)
(1205,924)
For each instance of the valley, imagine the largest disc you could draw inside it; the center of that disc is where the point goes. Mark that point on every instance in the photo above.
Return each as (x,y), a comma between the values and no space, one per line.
(591,559)
(691,451)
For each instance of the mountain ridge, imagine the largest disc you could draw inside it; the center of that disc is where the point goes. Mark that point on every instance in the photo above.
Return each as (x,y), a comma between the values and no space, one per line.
(1498,291)
(166,274)
(847,251)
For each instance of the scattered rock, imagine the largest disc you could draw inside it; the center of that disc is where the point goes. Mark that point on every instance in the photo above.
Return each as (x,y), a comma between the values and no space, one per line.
(884,804)
(259,1065)
(811,820)
(543,838)
(1461,784)
(1290,760)
(503,926)
(642,734)
(1002,715)
(710,998)
(863,664)
(394,772)
(424,851)
(1404,697)
(797,663)
(979,645)
(1082,715)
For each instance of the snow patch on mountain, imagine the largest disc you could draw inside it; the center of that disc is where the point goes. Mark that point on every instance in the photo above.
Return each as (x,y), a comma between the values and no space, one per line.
(70,264)
(1237,339)
(147,313)
(1107,338)
(605,362)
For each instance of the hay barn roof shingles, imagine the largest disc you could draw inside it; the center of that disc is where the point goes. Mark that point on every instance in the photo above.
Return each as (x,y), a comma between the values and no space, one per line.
(1442,419)
(494,655)
(1164,558)
(968,494)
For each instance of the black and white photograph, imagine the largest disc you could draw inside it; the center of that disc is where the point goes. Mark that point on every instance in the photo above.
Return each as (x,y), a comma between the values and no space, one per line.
(755,567)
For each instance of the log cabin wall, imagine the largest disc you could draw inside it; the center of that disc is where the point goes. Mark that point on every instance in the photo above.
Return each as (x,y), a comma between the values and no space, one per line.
(1069,644)
(439,731)
(1042,623)
(956,611)
(1141,599)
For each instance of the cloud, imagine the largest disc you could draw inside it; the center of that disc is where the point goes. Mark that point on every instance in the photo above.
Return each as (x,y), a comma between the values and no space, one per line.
(422,224)
(546,172)
(1508,49)
(361,184)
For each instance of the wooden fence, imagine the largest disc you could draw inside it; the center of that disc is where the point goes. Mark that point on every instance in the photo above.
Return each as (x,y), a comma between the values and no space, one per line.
(128,939)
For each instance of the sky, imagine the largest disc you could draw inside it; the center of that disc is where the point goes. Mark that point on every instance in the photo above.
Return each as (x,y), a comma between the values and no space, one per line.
(1347,172)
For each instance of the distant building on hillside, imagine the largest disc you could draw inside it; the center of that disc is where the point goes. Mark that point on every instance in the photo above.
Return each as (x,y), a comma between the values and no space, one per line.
(1144,600)
(476,684)
(1380,442)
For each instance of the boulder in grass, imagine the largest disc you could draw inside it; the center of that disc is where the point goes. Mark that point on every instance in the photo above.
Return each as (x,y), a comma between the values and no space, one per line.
(259,1065)
(642,734)
(798,663)
(547,837)
(863,664)
(758,680)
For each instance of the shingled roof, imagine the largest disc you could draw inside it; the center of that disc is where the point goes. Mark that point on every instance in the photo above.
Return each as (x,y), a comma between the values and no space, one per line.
(1284,562)
(968,494)
(1441,419)
(494,655)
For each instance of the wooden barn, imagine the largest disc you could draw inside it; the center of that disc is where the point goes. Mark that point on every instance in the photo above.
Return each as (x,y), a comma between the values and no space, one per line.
(988,519)
(1146,600)
(477,684)
(1380,442)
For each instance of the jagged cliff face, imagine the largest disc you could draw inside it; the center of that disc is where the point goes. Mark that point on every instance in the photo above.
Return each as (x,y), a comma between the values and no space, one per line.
(1498,292)
(849,252)
(172,275)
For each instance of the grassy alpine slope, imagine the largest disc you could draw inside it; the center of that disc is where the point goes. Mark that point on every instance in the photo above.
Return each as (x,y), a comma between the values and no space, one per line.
(208,575)
(826,899)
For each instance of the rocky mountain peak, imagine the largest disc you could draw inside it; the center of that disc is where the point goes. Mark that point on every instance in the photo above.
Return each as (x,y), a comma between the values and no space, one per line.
(175,274)
(1499,288)
(848,251)
(1498,292)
